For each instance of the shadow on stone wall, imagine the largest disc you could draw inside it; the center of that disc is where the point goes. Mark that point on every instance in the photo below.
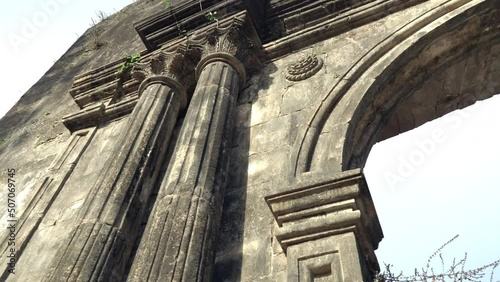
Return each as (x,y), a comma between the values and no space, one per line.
(229,251)
(154,193)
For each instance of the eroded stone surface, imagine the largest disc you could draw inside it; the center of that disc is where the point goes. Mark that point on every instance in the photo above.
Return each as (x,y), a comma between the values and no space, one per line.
(286,135)
(460,85)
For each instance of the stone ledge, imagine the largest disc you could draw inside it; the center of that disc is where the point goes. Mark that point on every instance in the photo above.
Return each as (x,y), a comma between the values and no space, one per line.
(330,27)
(92,116)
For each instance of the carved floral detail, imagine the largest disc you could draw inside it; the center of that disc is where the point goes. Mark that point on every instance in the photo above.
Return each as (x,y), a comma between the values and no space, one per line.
(232,40)
(227,37)
(305,68)
(162,63)
(176,65)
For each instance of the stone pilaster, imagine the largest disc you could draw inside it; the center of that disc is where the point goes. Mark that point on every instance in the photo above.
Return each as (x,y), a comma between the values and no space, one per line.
(328,229)
(111,215)
(178,244)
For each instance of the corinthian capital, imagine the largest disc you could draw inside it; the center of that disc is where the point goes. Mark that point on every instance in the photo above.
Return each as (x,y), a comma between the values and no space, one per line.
(232,40)
(170,67)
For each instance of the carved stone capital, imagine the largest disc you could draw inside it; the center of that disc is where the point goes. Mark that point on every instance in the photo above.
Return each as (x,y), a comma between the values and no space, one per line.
(233,41)
(161,63)
(171,68)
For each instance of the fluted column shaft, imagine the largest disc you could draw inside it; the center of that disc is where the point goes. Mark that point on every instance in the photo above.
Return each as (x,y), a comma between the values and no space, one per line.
(112,213)
(179,238)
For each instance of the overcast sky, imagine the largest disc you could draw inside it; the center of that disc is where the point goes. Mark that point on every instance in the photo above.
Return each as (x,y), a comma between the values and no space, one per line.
(424,195)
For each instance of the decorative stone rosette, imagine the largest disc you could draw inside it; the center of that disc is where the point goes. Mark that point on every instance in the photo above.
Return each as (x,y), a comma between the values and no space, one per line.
(304,68)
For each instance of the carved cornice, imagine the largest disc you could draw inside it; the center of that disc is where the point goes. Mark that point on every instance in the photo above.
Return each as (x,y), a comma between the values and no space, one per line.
(170,24)
(99,113)
(230,40)
(330,207)
(102,84)
(288,16)
(102,95)
(185,17)
(295,26)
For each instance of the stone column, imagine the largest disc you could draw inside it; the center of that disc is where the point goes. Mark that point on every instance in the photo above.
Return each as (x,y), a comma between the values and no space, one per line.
(111,214)
(178,244)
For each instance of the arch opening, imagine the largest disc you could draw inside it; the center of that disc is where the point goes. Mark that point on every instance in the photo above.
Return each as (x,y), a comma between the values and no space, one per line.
(457,67)
(361,104)
(437,181)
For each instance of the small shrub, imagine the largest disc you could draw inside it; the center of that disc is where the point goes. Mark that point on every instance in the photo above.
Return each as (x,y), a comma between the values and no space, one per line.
(129,63)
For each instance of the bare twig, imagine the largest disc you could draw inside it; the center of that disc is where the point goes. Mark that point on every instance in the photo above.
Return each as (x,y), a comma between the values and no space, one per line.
(456,272)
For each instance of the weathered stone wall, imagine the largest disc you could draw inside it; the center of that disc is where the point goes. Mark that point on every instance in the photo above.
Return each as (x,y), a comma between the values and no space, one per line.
(274,113)
(34,141)
(66,185)
(297,140)
(31,133)
(472,78)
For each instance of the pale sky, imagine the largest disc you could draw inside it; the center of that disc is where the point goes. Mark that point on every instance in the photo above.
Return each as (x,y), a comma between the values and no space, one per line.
(424,195)
(36,33)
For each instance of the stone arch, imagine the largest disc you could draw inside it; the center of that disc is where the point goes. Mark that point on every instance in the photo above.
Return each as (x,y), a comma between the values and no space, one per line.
(360,104)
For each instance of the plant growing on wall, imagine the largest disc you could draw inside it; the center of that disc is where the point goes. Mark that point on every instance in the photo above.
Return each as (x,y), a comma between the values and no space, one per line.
(211,16)
(130,61)
(96,40)
(168,3)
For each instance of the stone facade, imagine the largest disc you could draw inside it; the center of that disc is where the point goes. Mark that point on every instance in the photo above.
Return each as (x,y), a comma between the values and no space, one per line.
(232,149)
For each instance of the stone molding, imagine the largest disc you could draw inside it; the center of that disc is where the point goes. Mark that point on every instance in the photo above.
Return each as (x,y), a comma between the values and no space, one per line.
(47,189)
(316,210)
(102,84)
(321,28)
(99,113)
(102,95)
(288,16)
(224,58)
(325,209)
(234,35)
(305,145)
(468,25)
(181,19)
(374,67)
(161,63)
